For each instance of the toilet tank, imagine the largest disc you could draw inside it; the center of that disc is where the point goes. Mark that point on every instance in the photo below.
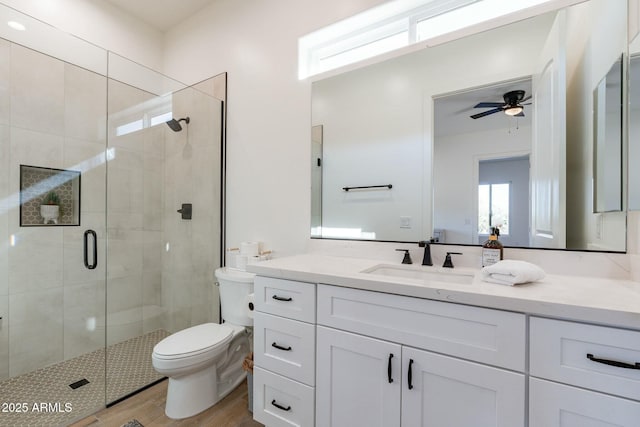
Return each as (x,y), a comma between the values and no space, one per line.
(235,287)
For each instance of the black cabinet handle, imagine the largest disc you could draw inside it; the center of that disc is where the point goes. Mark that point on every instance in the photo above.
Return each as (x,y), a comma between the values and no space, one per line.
(389,368)
(410,374)
(94,264)
(276,297)
(615,363)
(273,402)
(280,347)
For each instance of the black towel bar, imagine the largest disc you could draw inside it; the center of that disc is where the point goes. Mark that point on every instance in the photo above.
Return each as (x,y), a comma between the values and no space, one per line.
(389,186)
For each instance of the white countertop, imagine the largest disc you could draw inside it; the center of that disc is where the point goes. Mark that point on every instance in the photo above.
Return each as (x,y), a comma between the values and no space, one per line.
(594,300)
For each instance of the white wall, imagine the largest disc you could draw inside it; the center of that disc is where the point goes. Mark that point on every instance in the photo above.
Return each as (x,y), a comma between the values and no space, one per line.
(269,114)
(373,135)
(100,23)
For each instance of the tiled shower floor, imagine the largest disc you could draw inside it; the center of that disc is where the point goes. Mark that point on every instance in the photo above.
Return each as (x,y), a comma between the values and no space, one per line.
(48,399)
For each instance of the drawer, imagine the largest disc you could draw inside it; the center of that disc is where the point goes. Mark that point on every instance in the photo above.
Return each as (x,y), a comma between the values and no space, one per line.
(559,351)
(281,402)
(489,336)
(286,298)
(557,405)
(285,346)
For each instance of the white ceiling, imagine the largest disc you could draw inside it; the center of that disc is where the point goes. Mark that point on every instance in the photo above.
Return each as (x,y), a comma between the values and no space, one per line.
(161,14)
(451,112)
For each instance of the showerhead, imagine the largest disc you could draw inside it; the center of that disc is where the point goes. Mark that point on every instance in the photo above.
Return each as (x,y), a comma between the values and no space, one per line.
(175,124)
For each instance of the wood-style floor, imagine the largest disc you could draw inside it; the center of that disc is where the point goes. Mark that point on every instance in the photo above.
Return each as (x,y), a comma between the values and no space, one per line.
(148,408)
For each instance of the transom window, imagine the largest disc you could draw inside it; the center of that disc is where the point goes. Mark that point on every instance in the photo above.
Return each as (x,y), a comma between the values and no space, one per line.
(393,25)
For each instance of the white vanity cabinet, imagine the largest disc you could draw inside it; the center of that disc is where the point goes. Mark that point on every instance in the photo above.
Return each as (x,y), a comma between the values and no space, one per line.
(583,375)
(447,391)
(359,380)
(284,352)
(329,355)
(370,373)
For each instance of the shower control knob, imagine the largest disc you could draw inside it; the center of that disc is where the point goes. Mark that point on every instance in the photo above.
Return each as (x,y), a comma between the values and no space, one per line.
(186,210)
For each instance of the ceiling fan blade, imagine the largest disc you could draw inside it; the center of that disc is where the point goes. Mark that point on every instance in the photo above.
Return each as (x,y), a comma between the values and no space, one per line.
(520,114)
(526,99)
(528,103)
(489,105)
(486,113)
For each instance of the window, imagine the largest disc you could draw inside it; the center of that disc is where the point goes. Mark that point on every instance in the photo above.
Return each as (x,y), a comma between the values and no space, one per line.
(396,24)
(152,112)
(381,29)
(493,208)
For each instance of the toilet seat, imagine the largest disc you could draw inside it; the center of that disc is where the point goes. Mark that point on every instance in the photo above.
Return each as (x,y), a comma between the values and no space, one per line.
(193,341)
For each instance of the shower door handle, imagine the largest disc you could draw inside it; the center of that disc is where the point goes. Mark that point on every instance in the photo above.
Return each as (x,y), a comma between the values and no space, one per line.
(93,264)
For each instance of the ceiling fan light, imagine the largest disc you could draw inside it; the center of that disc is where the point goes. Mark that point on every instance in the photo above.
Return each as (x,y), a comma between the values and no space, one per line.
(512,111)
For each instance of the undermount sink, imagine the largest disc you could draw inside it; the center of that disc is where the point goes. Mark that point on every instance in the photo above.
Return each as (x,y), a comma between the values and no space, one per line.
(421,273)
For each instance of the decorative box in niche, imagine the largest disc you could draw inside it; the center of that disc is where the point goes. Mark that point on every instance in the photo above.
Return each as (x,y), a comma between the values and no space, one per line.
(49,197)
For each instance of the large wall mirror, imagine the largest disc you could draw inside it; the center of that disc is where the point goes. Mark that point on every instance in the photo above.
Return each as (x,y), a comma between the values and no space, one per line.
(491,130)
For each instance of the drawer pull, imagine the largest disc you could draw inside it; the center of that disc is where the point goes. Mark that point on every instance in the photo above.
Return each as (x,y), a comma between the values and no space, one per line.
(273,402)
(389,368)
(614,362)
(276,297)
(410,375)
(280,347)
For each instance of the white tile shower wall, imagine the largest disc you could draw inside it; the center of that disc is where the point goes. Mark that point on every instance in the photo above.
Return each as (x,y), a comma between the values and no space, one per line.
(5,76)
(84,110)
(4,337)
(37,91)
(54,110)
(83,304)
(36,330)
(5,149)
(134,217)
(191,175)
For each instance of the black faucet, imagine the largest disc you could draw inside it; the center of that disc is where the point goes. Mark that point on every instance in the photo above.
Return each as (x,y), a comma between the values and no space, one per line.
(448,263)
(426,258)
(407,257)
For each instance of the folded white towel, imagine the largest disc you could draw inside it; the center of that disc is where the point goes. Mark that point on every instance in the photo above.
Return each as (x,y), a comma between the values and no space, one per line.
(512,272)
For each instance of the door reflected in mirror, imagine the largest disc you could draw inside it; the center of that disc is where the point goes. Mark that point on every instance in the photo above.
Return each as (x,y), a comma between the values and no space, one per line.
(607,141)
(387,123)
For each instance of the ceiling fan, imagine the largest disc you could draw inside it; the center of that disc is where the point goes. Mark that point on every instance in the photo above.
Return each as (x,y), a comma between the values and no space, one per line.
(512,105)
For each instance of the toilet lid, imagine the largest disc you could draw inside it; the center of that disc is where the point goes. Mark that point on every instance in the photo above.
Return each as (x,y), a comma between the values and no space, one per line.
(194,340)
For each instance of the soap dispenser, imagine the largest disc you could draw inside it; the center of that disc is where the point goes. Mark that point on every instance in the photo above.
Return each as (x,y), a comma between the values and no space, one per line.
(492,249)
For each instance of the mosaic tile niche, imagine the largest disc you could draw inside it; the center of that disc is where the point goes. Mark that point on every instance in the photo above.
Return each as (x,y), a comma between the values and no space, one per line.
(36,182)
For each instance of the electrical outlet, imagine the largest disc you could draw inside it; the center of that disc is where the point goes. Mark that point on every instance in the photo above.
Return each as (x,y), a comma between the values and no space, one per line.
(405,222)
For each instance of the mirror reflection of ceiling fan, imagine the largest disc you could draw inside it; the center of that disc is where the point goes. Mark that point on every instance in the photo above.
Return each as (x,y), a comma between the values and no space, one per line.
(512,105)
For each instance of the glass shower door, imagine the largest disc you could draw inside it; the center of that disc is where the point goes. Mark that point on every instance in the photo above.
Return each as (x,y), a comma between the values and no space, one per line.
(163,217)
(52,265)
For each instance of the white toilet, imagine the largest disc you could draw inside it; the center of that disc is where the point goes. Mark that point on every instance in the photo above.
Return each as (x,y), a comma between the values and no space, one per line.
(204,362)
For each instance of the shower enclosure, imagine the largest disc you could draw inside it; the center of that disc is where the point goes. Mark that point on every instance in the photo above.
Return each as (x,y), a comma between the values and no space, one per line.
(84,298)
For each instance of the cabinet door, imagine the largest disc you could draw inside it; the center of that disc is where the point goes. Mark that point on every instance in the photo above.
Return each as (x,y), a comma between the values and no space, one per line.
(447,392)
(358,380)
(557,405)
